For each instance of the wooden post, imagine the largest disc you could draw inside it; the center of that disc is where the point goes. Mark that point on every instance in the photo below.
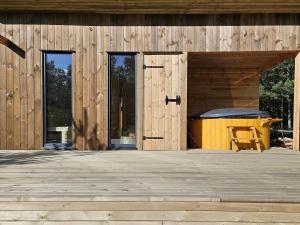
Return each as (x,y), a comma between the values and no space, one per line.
(139,100)
(183,118)
(296,126)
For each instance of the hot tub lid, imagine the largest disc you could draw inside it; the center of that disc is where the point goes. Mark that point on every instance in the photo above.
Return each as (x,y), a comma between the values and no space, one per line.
(232,113)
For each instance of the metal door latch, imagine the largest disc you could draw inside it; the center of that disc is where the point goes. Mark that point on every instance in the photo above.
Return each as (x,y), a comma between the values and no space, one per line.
(145,67)
(156,138)
(177,100)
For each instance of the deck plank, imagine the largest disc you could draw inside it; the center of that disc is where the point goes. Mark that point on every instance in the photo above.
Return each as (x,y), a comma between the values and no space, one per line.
(149,188)
(243,177)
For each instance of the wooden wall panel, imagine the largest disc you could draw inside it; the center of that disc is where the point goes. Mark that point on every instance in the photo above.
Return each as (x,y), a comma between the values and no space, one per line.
(30,83)
(183,71)
(296,128)
(215,89)
(37,83)
(78,112)
(3,97)
(16,87)
(23,87)
(92,37)
(10,88)
(92,113)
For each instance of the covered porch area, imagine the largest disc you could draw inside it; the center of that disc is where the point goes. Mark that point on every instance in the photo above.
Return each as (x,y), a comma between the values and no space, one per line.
(219,80)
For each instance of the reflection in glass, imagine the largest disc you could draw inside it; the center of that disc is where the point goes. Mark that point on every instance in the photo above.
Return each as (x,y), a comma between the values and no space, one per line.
(58,100)
(122,100)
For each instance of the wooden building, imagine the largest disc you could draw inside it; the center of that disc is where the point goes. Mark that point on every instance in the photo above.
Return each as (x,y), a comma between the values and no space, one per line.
(99,73)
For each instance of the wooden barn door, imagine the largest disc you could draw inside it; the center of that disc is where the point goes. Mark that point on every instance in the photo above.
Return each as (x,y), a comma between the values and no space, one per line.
(164,126)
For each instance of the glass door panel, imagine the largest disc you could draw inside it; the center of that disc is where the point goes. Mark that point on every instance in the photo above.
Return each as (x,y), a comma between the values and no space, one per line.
(122,100)
(58,100)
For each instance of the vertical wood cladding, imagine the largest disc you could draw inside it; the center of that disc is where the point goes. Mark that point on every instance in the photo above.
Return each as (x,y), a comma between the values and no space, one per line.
(91,37)
(213,89)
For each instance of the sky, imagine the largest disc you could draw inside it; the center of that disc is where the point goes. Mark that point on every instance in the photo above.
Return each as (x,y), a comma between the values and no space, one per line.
(120,60)
(60,60)
(64,60)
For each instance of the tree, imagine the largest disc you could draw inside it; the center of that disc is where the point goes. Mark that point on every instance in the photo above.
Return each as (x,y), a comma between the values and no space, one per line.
(277,91)
(59,99)
(122,81)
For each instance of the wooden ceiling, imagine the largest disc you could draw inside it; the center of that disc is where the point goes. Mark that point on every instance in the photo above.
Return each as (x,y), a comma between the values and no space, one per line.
(254,61)
(153,6)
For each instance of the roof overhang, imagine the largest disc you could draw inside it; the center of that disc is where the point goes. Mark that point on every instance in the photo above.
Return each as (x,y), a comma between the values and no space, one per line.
(153,6)
(256,62)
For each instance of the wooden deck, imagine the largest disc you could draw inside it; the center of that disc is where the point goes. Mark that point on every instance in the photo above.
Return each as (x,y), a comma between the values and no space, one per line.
(135,187)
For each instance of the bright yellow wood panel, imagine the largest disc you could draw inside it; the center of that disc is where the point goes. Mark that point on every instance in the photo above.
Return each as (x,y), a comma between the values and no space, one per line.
(213,134)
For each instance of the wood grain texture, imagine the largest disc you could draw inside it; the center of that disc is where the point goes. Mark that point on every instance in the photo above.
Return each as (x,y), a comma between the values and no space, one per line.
(183,77)
(227,79)
(154,6)
(296,127)
(174,188)
(154,176)
(139,100)
(30,84)
(10,88)
(16,87)
(164,76)
(93,36)
(23,87)
(3,130)
(37,71)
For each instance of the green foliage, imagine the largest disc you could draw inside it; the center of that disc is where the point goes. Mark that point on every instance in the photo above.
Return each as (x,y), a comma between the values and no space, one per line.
(59,97)
(122,78)
(276,91)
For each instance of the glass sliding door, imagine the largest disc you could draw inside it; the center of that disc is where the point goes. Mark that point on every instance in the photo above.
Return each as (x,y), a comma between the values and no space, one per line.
(57,100)
(122,101)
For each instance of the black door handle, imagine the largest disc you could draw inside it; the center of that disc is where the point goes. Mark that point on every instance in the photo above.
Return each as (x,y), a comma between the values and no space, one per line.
(177,100)
(155,138)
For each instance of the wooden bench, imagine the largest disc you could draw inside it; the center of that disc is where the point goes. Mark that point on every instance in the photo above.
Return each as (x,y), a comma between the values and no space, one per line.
(234,141)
